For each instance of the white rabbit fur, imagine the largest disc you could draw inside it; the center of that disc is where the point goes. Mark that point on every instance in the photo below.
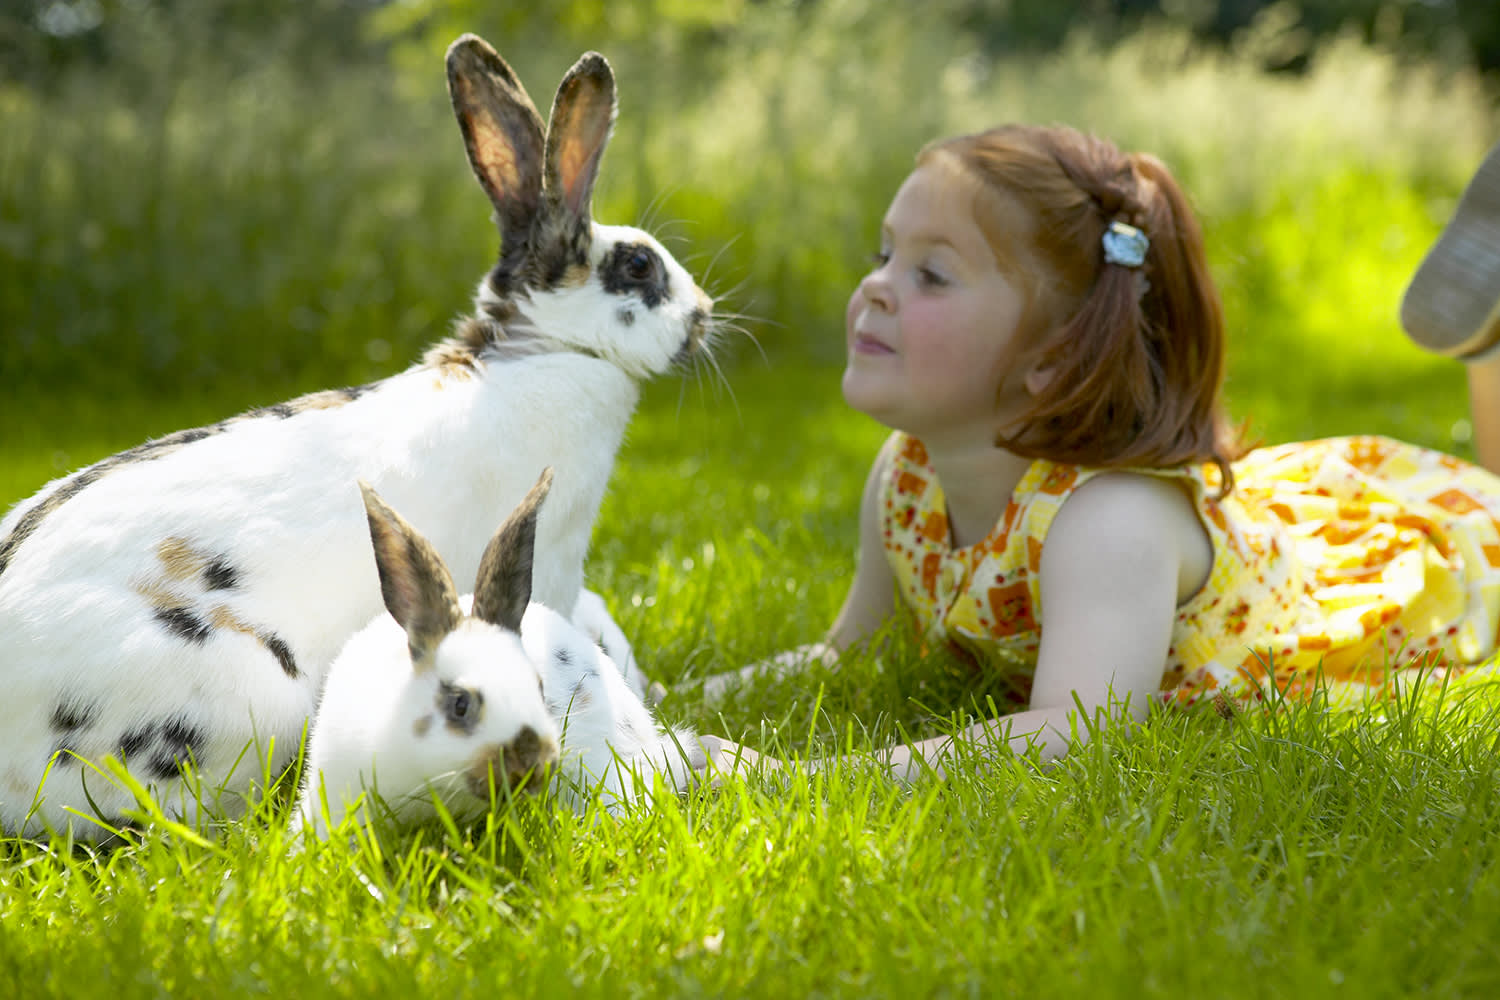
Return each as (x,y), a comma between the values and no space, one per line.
(381,726)
(376,730)
(184,600)
(437,697)
(612,746)
(592,617)
(605,741)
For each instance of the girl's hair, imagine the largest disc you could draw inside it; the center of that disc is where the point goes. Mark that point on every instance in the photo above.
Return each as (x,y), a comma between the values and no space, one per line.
(1136,354)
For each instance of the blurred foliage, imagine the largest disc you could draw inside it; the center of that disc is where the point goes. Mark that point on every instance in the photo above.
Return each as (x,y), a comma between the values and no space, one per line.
(41,40)
(267,197)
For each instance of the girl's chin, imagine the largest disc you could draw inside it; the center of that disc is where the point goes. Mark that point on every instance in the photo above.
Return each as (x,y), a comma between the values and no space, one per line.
(861,395)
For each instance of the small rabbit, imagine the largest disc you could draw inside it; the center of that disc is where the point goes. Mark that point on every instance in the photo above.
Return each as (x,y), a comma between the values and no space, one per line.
(434,698)
(183,600)
(611,744)
(438,696)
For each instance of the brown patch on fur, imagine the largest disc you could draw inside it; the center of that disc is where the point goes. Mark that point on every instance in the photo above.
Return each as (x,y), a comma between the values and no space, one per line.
(457,357)
(158,595)
(327,400)
(576,276)
(421,726)
(219,616)
(179,560)
(20,788)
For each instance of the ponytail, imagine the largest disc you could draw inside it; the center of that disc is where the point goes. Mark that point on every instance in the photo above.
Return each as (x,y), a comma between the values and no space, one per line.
(1135,353)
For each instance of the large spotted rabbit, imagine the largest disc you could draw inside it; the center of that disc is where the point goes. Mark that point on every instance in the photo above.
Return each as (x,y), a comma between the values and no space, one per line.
(182,601)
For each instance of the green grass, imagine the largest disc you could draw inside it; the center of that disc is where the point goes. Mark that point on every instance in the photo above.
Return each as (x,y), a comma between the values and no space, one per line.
(1284,855)
(1270,855)
(229,244)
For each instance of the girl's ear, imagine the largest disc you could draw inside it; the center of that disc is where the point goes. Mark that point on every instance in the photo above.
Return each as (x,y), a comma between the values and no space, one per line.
(1038,379)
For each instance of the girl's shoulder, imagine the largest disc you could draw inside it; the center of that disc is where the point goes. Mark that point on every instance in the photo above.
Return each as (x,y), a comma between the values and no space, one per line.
(912,491)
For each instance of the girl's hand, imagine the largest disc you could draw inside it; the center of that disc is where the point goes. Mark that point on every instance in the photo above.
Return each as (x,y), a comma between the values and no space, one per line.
(725,757)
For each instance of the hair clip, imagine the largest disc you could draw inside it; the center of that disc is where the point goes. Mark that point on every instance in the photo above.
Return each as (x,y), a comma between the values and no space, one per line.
(1125,245)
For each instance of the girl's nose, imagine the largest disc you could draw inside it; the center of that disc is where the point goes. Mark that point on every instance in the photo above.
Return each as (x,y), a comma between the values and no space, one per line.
(877,290)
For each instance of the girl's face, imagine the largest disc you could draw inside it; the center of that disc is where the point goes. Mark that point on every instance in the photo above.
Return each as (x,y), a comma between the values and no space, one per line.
(928,329)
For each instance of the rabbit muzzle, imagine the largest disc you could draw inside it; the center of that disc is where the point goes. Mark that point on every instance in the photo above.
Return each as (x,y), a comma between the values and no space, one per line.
(523,764)
(700,328)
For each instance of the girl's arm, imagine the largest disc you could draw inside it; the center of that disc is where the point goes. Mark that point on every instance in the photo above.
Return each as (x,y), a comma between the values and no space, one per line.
(872,594)
(871,599)
(1123,552)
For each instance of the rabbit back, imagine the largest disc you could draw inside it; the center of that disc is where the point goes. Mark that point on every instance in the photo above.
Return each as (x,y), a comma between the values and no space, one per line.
(185,601)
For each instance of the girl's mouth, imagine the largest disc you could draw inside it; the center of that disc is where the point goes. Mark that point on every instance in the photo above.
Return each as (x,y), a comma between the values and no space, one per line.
(866,344)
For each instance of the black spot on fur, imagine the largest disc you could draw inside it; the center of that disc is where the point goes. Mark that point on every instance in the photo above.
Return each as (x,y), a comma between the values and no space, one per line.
(133,742)
(219,575)
(561,655)
(184,623)
(635,267)
(64,753)
(626,317)
(177,743)
(283,654)
(553,268)
(69,715)
(558,244)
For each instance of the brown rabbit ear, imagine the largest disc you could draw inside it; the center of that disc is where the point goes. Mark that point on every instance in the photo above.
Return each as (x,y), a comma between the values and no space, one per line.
(503,587)
(583,113)
(503,135)
(417,588)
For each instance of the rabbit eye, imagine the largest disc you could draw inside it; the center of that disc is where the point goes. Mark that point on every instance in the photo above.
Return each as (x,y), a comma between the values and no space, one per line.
(635,269)
(639,265)
(461,706)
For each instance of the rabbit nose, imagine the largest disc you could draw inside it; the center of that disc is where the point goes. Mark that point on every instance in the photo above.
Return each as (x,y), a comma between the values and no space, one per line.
(527,755)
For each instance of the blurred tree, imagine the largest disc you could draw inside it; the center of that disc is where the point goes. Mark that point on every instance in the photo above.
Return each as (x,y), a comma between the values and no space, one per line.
(1465,31)
(42,42)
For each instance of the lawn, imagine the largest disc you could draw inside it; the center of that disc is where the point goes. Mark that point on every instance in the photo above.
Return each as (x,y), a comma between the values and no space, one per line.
(1268,855)
(162,272)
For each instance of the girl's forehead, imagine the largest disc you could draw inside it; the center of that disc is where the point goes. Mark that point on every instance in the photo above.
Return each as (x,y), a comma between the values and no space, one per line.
(930,204)
(942,201)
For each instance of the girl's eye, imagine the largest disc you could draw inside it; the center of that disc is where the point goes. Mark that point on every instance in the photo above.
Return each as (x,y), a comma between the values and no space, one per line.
(931,278)
(880,258)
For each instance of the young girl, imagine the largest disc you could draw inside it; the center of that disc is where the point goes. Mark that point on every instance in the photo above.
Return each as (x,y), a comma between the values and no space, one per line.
(1061,497)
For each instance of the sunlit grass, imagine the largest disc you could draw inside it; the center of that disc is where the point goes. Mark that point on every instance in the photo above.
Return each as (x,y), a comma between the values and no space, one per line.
(163,265)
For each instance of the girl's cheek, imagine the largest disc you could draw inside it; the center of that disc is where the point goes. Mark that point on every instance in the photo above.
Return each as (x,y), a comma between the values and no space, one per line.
(856,301)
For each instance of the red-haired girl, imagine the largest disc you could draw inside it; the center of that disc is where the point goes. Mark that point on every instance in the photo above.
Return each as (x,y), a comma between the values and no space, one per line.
(1062,498)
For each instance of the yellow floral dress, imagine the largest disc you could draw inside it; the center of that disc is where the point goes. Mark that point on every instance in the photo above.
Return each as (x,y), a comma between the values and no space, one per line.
(1355,564)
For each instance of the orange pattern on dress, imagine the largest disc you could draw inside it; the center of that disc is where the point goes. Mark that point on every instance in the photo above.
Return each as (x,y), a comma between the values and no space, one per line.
(1350,565)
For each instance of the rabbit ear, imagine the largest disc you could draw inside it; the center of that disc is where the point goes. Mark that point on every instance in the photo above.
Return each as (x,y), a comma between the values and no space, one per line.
(417,588)
(583,113)
(503,135)
(503,587)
